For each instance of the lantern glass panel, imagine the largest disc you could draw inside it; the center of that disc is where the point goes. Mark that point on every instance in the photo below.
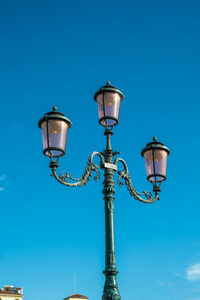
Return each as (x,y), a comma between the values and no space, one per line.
(156,164)
(108,108)
(56,138)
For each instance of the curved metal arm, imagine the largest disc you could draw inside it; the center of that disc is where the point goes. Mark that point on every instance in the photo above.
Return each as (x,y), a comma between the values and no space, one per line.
(126,176)
(64,177)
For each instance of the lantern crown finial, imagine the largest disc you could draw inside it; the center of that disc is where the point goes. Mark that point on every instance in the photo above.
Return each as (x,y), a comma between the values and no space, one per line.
(155,138)
(54,108)
(108,83)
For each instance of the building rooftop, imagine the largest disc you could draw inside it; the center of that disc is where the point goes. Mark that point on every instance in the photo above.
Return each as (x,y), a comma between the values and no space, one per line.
(77,296)
(11,290)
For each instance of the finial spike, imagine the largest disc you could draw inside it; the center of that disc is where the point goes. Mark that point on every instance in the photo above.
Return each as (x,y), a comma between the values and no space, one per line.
(54,108)
(108,83)
(155,138)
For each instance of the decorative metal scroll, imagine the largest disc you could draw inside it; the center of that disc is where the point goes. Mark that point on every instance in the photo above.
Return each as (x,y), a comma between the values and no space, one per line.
(65,177)
(126,176)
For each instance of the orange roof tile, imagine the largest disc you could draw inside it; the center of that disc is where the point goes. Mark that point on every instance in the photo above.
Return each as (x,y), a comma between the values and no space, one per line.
(76,296)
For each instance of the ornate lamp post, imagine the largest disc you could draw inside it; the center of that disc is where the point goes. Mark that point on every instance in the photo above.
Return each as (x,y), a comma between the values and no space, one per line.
(55,127)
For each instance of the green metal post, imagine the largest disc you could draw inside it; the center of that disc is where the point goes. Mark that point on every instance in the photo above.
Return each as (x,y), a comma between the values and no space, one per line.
(111,291)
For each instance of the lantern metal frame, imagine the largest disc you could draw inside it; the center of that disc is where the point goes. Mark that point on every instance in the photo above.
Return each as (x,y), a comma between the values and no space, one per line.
(53,115)
(109,165)
(108,88)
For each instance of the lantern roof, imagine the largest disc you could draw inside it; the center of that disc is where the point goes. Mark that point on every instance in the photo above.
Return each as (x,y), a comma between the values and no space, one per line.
(108,88)
(54,114)
(155,145)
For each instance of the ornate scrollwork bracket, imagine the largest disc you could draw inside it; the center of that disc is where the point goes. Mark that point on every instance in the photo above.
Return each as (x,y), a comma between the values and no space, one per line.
(65,177)
(138,196)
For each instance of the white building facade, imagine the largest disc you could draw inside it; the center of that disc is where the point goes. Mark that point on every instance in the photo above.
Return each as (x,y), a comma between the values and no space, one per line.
(9,292)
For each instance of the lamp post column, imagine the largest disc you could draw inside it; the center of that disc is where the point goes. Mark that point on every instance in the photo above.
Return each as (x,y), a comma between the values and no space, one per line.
(111,291)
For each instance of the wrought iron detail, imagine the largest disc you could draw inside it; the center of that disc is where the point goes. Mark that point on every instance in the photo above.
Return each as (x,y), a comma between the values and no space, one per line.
(138,196)
(66,177)
(108,189)
(111,291)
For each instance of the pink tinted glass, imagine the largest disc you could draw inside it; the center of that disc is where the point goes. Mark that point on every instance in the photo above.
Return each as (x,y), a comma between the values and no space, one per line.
(160,164)
(57,137)
(110,108)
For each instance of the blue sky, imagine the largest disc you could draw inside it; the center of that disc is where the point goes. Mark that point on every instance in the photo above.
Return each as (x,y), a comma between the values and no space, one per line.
(60,53)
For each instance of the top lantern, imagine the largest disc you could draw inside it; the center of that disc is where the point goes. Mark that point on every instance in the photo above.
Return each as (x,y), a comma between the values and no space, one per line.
(108,99)
(155,154)
(54,127)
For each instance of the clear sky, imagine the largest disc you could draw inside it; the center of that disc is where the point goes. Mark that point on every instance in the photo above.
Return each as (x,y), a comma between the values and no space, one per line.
(60,53)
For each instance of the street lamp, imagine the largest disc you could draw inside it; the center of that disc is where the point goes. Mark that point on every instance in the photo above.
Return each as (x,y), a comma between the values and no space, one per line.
(55,127)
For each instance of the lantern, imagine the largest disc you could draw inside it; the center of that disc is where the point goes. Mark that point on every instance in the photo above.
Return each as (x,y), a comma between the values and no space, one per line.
(54,127)
(155,155)
(108,99)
